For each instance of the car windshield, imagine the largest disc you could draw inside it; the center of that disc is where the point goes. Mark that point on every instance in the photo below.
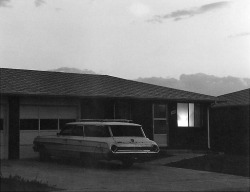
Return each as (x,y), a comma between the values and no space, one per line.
(126,131)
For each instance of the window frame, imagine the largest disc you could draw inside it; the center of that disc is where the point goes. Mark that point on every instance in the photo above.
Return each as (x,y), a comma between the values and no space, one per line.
(37,116)
(155,119)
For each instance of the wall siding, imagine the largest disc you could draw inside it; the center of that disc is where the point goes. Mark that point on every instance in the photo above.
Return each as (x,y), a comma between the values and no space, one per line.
(230,130)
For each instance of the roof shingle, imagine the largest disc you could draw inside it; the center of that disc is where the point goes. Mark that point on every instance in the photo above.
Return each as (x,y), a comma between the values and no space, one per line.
(30,82)
(239,98)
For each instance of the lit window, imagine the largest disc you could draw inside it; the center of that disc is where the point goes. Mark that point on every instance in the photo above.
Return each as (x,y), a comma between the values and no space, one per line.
(182,114)
(188,115)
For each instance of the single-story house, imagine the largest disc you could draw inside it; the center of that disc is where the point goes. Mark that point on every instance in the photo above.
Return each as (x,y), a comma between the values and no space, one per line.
(41,102)
(230,123)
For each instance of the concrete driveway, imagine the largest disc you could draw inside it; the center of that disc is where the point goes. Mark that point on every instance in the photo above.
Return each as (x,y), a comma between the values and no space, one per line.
(150,176)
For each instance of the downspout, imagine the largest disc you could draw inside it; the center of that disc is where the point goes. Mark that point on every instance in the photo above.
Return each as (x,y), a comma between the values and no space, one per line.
(153,123)
(114,110)
(208,129)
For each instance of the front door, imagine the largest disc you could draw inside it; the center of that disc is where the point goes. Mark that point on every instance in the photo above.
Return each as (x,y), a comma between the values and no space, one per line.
(160,124)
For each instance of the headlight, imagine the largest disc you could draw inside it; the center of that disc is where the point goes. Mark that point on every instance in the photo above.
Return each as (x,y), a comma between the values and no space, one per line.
(155,148)
(113,148)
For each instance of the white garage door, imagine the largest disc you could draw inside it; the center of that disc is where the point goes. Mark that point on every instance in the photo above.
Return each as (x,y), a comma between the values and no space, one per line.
(42,120)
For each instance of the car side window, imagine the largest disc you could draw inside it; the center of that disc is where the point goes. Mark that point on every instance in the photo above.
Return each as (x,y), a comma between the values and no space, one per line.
(77,131)
(67,130)
(96,131)
(72,130)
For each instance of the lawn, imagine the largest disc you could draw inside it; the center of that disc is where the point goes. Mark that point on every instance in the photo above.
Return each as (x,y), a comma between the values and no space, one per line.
(221,163)
(16,183)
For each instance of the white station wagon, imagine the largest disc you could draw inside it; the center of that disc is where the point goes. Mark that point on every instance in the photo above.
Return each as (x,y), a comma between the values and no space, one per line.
(98,139)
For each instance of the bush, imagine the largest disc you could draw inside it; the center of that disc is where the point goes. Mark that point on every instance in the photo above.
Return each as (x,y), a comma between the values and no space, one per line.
(16,183)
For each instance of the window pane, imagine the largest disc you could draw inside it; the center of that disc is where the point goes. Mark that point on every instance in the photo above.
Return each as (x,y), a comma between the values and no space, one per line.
(96,131)
(1,124)
(48,124)
(28,124)
(182,114)
(197,115)
(159,111)
(160,127)
(191,115)
(126,131)
(63,122)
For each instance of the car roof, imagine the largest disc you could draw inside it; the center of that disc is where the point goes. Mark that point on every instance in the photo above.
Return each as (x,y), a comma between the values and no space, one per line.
(103,123)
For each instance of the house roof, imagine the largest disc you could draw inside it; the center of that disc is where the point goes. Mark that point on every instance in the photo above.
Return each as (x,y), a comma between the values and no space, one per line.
(30,82)
(239,98)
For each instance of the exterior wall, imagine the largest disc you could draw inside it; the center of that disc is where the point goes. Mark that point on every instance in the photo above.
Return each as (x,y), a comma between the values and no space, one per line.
(4,132)
(140,111)
(97,108)
(44,108)
(230,129)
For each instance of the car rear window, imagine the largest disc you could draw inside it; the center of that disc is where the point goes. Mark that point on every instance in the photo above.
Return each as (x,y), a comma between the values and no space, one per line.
(126,131)
(96,131)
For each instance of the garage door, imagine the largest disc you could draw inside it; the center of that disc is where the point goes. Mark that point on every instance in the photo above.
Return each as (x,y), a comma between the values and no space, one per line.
(42,120)
(3,133)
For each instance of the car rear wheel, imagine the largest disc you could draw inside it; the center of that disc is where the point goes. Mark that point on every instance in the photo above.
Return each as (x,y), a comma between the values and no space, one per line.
(44,155)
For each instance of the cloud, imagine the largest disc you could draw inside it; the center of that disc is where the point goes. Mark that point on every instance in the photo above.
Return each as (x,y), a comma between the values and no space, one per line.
(239,35)
(201,83)
(73,70)
(187,13)
(39,3)
(139,9)
(4,3)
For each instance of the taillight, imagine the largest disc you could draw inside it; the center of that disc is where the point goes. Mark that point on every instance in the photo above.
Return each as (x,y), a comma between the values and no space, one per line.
(155,148)
(113,148)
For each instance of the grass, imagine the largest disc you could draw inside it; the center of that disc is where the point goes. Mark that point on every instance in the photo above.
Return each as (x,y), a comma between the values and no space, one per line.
(221,163)
(16,183)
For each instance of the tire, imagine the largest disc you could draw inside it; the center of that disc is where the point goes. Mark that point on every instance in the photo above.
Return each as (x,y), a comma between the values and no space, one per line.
(44,155)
